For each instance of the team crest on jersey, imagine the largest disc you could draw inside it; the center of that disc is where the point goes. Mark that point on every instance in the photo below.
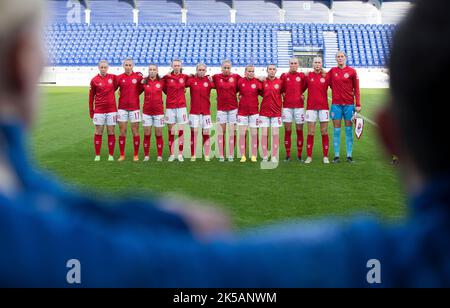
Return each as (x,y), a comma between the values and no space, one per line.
(312,79)
(123,80)
(336,74)
(276,86)
(243,85)
(110,81)
(288,79)
(298,79)
(267,85)
(134,81)
(158,85)
(100,84)
(181,80)
(253,86)
(172,80)
(322,80)
(195,83)
(205,84)
(231,79)
(346,75)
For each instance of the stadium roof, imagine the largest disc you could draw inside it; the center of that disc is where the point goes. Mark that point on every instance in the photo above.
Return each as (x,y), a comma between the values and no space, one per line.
(231,3)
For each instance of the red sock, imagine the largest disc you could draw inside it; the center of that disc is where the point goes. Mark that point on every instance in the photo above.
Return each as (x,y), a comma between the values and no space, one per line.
(171,139)
(137,144)
(97,144)
(287,142)
(180,141)
(299,142)
(111,144)
(147,141)
(325,145)
(159,145)
(122,141)
(309,145)
(193,143)
(206,145)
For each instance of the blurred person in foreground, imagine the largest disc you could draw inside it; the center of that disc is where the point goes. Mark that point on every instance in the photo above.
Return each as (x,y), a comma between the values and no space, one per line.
(136,243)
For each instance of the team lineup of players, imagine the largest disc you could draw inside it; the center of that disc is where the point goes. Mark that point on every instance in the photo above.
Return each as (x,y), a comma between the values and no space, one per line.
(237,104)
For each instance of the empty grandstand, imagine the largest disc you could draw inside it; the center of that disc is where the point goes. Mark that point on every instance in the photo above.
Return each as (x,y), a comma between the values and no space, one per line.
(80,33)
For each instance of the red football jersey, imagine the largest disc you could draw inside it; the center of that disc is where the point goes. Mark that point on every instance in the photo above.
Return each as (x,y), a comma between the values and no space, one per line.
(130,89)
(102,98)
(294,87)
(317,91)
(344,84)
(271,103)
(227,87)
(153,97)
(249,90)
(174,87)
(200,95)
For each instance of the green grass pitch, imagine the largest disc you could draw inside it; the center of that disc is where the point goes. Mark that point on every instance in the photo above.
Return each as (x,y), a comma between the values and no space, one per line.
(62,143)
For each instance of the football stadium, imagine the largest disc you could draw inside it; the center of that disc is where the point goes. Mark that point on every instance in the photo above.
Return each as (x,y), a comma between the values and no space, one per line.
(240,33)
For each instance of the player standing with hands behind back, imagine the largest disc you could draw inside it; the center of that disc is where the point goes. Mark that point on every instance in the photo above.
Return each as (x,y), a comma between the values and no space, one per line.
(129,107)
(103,109)
(344,84)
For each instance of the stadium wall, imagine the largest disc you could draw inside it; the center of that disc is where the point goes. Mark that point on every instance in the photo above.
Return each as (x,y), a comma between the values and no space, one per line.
(81,76)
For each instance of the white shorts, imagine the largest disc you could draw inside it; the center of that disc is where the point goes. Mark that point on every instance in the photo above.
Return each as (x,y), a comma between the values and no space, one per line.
(250,121)
(109,119)
(176,116)
(132,116)
(224,117)
(200,120)
(297,114)
(153,120)
(269,121)
(312,115)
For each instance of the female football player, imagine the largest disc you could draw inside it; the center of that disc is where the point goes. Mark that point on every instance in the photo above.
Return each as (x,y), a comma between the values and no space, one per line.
(344,84)
(270,113)
(130,86)
(153,111)
(103,108)
(248,112)
(176,112)
(200,110)
(227,108)
(317,83)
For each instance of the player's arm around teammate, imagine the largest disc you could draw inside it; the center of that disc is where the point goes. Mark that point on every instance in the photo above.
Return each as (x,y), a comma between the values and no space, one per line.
(248,112)
(317,108)
(200,110)
(103,109)
(129,107)
(270,113)
(153,111)
(345,95)
(227,108)
(176,112)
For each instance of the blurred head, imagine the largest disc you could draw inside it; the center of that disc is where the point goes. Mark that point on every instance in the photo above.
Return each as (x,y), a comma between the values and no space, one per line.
(341,58)
(128,65)
(250,71)
(21,46)
(271,70)
(201,70)
(409,123)
(103,67)
(152,71)
(317,64)
(293,65)
(226,67)
(176,66)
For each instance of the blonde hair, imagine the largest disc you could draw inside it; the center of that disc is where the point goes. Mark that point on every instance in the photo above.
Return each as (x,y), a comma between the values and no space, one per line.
(15,16)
